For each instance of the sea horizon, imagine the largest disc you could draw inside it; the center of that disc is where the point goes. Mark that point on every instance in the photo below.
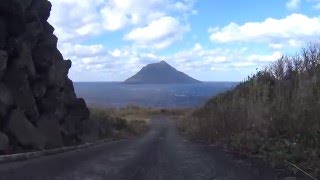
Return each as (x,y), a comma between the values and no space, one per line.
(119,94)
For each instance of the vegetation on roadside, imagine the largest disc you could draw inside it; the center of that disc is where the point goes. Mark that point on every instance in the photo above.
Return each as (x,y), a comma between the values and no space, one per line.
(129,121)
(274,114)
(115,123)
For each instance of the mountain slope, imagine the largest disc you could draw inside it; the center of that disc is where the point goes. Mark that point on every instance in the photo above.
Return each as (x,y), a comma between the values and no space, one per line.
(160,73)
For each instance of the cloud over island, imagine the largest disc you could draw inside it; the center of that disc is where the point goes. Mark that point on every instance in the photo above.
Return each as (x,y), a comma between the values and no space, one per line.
(111,40)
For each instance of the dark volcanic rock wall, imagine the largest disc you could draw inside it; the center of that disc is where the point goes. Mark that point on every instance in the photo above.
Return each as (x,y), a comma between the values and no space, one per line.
(38,106)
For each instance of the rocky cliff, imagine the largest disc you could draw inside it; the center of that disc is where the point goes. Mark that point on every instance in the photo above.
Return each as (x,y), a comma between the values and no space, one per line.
(38,106)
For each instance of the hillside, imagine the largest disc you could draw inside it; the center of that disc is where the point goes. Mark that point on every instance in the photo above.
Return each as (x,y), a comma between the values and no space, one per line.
(274,114)
(160,73)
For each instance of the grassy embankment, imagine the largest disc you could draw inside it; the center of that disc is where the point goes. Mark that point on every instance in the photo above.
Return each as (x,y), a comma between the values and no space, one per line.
(275,114)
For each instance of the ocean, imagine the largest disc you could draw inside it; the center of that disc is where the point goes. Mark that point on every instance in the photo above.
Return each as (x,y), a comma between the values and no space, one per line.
(116,94)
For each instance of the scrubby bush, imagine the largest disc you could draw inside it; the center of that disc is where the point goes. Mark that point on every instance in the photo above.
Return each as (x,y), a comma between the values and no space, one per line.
(115,123)
(102,124)
(274,113)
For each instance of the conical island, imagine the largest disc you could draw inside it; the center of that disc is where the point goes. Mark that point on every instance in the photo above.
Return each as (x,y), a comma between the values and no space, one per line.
(160,73)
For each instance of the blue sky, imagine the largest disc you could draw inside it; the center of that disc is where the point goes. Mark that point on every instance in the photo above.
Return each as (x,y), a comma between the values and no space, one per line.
(211,40)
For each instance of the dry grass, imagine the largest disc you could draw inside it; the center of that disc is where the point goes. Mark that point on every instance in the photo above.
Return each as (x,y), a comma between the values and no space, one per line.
(115,123)
(123,122)
(274,114)
(136,117)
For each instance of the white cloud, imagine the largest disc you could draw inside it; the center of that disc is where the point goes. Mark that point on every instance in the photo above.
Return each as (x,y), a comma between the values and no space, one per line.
(265,58)
(293,4)
(199,59)
(159,33)
(116,53)
(290,31)
(185,7)
(118,14)
(243,64)
(276,45)
(97,63)
(181,6)
(75,20)
(157,24)
(76,51)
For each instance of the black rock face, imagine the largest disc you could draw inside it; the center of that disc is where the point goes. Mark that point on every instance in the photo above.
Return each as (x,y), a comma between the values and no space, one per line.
(38,105)
(160,73)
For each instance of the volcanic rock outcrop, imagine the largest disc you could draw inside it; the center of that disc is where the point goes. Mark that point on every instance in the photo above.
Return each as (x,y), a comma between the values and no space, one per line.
(38,106)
